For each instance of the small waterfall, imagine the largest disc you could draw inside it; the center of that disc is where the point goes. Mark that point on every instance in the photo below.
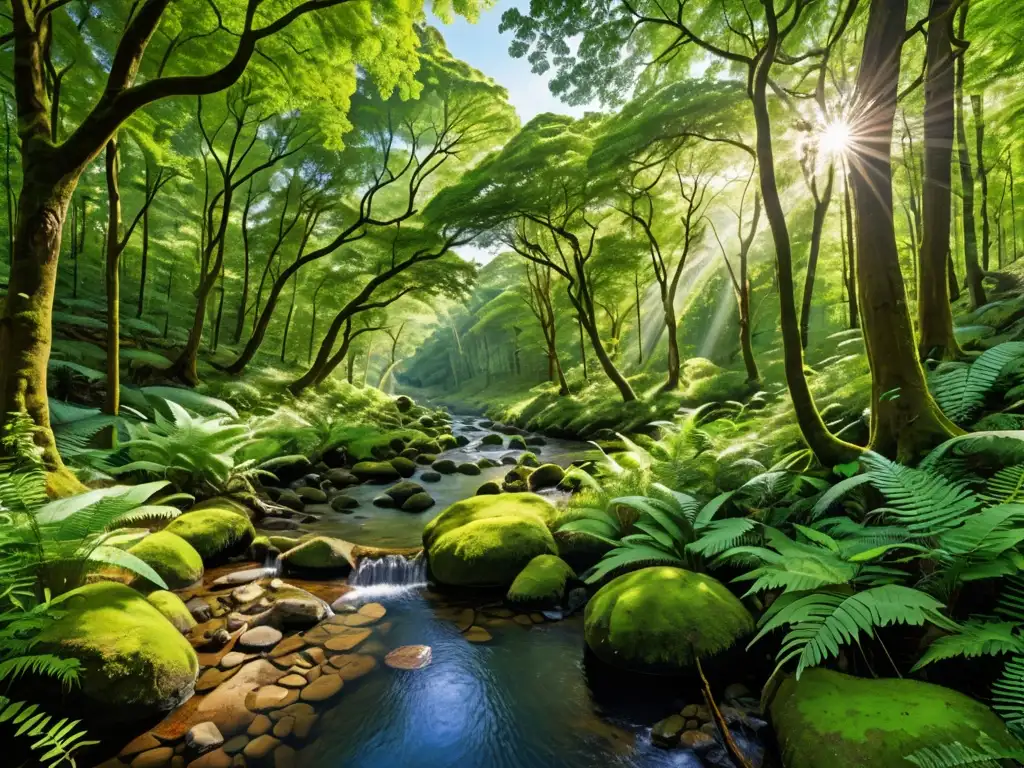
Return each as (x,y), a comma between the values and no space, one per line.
(383,577)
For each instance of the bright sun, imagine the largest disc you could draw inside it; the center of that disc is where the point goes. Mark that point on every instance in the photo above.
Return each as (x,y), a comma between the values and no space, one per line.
(834,137)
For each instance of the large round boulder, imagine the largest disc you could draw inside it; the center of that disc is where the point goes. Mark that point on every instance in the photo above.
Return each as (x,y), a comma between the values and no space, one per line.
(214,533)
(542,583)
(485,541)
(661,619)
(173,609)
(322,554)
(376,472)
(134,662)
(828,719)
(546,476)
(174,559)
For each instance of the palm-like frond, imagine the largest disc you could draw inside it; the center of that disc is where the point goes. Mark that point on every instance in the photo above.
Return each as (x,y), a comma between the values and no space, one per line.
(972,639)
(1008,694)
(961,390)
(56,740)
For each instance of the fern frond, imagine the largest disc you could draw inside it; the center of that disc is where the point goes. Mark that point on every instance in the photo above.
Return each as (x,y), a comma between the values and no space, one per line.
(1008,694)
(961,391)
(1005,486)
(973,639)
(988,754)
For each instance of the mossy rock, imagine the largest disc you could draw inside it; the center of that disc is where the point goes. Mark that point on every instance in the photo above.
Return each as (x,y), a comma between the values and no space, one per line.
(542,583)
(426,459)
(492,439)
(321,554)
(528,459)
(447,442)
(404,466)
(216,534)
(379,472)
(828,719)
(384,502)
(445,466)
(490,488)
(170,605)
(536,440)
(461,441)
(403,490)
(469,468)
(580,549)
(344,503)
(427,421)
(517,442)
(486,463)
(546,476)
(403,403)
(174,559)
(418,502)
(134,663)
(311,495)
(283,543)
(661,619)
(431,477)
(485,541)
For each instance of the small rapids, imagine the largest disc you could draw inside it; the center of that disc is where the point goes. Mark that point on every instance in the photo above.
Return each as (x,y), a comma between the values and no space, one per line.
(385,577)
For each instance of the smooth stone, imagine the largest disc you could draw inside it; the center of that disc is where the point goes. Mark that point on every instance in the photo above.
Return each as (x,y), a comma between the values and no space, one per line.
(477,635)
(277,523)
(665,733)
(259,726)
(243,577)
(322,688)
(344,503)
(293,680)
(232,659)
(260,637)
(203,737)
(352,666)
(373,610)
(200,609)
(283,727)
(140,744)
(260,747)
(298,710)
(409,657)
(284,757)
(237,743)
(219,758)
(358,620)
(347,640)
(431,477)
(225,706)
(153,758)
(213,677)
(696,740)
(288,645)
(268,697)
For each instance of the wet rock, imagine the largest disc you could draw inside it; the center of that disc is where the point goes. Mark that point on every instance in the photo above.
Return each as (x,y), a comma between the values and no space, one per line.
(426,458)
(284,757)
(403,403)
(696,740)
(322,689)
(347,639)
(461,441)
(260,747)
(384,501)
(468,468)
(260,638)
(153,758)
(485,424)
(400,492)
(536,440)
(199,609)
(465,618)
(528,459)
(490,488)
(352,666)
(508,460)
(341,478)
(247,593)
(270,697)
(232,659)
(293,680)
(492,439)
(445,466)
(379,472)
(486,463)
(275,523)
(516,442)
(311,495)
(343,503)
(203,737)
(259,726)
(430,477)
(237,743)
(212,678)
(288,469)
(418,502)
(245,576)
(405,467)
(218,758)
(409,657)
(291,500)
(665,733)
(288,645)
(477,635)
(140,744)
(320,553)
(546,476)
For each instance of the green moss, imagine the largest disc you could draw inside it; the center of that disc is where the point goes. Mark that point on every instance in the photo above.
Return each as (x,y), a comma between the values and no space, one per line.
(404,466)
(660,619)
(376,472)
(214,533)
(490,488)
(368,442)
(135,663)
(170,605)
(319,554)
(581,550)
(469,468)
(829,719)
(492,439)
(542,582)
(418,502)
(488,540)
(546,476)
(445,466)
(528,459)
(174,559)
(403,490)
(447,442)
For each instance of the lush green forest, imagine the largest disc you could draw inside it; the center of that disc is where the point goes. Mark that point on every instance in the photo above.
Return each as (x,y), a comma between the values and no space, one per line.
(353,417)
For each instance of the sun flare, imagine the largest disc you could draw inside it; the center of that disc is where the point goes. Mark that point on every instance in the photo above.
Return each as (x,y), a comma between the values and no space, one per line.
(834,137)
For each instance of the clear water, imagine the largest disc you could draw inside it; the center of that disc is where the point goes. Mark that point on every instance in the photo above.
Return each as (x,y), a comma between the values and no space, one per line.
(521,701)
(394,528)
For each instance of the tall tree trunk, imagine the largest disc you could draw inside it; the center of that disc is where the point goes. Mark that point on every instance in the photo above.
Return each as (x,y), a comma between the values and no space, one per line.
(350,374)
(288,319)
(243,299)
(144,265)
(818,225)
(851,283)
(978,108)
(220,312)
(8,187)
(672,339)
(639,324)
(934,315)
(584,306)
(1013,203)
(974,274)
(829,449)
(167,296)
(112,402)
(905,420)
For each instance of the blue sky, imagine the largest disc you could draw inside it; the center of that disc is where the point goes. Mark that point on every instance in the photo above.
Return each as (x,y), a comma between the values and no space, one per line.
(482,46)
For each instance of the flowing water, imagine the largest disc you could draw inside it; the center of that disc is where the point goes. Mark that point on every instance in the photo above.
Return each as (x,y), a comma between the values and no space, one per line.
(528,698)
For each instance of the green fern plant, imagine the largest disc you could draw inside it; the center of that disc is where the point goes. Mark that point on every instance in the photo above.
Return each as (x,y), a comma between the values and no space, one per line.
(986,754)
(961,389)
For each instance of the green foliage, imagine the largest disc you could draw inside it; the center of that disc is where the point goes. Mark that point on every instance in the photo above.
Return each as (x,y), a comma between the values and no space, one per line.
(961,389)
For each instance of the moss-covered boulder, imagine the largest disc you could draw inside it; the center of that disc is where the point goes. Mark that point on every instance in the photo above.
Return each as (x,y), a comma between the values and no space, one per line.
(321,554)
(404,466)
(418,502)
(492,439)
(580,549)
(134,662)
(426,459)
(445,466)
(542,583)
(660,619)
(311,495)
(403,490)
(403,403)
(447,442)
(215,534)
(528,459)
(490,488)
(431,476)
(468,468)
(174,559)
(486,463)
(485,541)
(376,472)
(517,442)
(828,719)
(546,476)
(173,609)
